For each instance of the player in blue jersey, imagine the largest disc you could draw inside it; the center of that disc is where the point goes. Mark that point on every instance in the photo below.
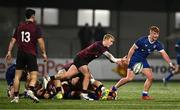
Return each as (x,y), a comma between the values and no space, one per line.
(10,74)
(138,53)
(177,70)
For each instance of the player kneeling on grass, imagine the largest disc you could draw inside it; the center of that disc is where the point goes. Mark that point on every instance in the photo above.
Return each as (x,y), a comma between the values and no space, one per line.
(138,53)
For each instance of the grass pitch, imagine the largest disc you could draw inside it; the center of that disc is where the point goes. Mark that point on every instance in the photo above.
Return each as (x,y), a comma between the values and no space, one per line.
(129,97)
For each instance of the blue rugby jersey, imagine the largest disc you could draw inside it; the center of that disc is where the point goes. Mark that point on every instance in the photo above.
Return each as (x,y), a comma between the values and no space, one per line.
(145,47)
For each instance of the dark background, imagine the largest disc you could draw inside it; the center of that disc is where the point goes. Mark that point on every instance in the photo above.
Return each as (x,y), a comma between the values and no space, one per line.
(129,19)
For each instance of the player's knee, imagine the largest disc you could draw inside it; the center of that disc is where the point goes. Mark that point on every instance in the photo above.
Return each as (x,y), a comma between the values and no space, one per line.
(129,78)
(150,78)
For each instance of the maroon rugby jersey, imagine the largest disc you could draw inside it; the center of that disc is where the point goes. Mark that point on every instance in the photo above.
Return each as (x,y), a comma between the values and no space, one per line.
(93,51)
(26,35)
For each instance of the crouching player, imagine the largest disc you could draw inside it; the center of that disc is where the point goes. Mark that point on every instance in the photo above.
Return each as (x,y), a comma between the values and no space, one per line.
(100,89)
(85,56)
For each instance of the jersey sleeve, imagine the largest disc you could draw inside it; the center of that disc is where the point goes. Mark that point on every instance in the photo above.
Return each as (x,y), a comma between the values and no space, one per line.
(138,42)
(159,47)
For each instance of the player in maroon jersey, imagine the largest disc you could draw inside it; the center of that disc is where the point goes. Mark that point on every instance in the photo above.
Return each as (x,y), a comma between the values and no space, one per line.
(26,35)
(84,57)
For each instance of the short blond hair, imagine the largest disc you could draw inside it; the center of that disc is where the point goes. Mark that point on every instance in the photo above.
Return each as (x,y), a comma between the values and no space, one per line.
(108,36)
(154,28)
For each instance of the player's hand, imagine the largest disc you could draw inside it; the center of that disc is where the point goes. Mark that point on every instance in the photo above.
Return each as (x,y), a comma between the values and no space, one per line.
(45,57)
(124,60)
(173,67)
(8,57)
(119,61)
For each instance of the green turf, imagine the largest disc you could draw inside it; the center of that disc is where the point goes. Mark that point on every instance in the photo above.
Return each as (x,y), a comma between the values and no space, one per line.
(128,98)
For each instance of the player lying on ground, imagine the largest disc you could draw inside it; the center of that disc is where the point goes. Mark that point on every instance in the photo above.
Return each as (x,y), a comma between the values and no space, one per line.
(73,87)
(138,53)
(54,88)
(100,89)
(84,57)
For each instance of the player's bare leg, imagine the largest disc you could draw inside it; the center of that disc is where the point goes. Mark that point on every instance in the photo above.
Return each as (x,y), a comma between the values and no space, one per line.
(16,85)
(148,73)
(66,74)
(30,91)
(85,71)
(130,76)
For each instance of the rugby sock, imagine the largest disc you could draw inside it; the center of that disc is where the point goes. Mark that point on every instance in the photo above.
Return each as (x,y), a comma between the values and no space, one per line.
(52,77)
(144,93)
(114,88)
(32,88)
(169,77)
(84,91)
(16,94)
(99,88)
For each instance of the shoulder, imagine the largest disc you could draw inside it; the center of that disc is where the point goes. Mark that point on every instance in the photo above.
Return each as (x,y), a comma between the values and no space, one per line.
(97,43)
(143,38)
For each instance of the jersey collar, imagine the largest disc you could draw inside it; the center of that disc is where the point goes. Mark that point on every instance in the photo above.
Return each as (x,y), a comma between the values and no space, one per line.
(150,40)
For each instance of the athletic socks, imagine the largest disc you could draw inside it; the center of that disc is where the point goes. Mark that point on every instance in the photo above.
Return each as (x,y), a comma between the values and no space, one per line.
(84,91)
(32,89)
(114,89)
(169,77)
(144,93)
(16,94)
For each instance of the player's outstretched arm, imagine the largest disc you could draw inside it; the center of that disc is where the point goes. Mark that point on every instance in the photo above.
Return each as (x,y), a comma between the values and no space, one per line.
(111,57)
(8,57)
(43,49)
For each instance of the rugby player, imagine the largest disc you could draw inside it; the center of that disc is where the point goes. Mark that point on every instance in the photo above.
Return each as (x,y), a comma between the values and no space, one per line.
(26,35)
(84,57)
(138,53)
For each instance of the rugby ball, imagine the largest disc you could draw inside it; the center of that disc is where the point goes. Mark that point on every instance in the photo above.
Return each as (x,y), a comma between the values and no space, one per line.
(137,68)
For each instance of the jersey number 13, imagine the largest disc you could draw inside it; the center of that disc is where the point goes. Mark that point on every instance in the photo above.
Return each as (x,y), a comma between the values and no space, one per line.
(25,36)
